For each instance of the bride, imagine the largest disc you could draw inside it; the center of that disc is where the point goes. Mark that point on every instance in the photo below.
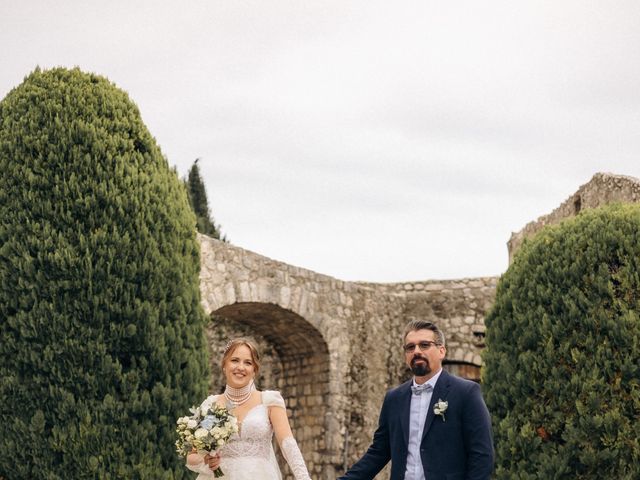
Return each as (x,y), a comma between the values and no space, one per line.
(260,414)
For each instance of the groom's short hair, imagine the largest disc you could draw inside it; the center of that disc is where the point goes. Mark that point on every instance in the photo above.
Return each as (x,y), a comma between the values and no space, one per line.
(415,325)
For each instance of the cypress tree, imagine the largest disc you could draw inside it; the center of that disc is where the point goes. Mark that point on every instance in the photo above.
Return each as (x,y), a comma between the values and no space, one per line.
(561,374)
(200,205)
(101,330)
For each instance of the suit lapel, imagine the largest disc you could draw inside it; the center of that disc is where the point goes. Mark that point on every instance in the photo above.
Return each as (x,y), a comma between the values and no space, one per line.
(405,406)
(440,392)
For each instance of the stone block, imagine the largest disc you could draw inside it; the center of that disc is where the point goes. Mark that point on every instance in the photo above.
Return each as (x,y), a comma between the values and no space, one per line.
(285,296)
(302,307)
(230,294)
(244,294)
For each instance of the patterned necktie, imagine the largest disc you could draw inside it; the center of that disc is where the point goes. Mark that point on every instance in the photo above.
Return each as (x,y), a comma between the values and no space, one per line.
(418,389)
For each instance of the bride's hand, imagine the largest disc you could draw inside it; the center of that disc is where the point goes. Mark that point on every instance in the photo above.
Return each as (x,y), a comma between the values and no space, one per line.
(212,460)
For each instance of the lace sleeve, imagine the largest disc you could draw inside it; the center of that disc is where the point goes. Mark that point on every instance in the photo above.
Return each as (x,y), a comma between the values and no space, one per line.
(294,458)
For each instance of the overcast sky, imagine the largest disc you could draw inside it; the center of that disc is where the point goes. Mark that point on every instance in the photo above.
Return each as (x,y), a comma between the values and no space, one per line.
(366,140)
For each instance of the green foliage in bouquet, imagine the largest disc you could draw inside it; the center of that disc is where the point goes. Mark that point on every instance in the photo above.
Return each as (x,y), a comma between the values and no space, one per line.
(562,375)
(101,329)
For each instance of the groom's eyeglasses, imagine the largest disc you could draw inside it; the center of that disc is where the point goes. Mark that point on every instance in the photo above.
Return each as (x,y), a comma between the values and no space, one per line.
(422,346)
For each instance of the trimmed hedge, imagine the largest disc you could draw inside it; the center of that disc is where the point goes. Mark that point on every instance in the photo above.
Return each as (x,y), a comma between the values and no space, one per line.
(562,369)
(101,330)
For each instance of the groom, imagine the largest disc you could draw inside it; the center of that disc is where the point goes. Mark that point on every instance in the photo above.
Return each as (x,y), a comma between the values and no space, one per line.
(435,426)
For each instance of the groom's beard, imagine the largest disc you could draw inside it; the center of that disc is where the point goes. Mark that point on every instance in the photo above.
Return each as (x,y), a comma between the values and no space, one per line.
(420,369)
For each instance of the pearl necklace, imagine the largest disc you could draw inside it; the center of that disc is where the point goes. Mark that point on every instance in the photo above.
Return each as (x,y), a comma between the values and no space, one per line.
(238,396)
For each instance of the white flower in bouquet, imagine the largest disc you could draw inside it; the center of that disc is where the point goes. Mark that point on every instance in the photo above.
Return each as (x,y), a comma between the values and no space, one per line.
(208,428)
(200,433)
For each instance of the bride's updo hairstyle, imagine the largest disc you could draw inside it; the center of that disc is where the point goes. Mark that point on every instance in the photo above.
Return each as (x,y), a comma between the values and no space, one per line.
(235,343)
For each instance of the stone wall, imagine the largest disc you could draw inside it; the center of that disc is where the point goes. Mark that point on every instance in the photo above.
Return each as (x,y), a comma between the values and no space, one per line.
(458,307)
(602,189)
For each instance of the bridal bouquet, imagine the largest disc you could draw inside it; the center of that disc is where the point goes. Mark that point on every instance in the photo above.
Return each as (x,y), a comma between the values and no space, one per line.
(208,428)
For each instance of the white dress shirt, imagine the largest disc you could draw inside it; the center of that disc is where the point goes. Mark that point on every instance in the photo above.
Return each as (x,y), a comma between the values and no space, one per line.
(417,418)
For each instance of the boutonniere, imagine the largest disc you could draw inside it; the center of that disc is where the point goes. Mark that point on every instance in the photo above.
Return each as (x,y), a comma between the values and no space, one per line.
(440,407)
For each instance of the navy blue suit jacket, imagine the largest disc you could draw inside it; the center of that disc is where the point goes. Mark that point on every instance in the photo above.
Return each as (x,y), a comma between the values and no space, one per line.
(460,447)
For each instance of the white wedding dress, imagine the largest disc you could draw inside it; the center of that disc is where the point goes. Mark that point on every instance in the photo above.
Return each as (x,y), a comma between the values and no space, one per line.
(249,454)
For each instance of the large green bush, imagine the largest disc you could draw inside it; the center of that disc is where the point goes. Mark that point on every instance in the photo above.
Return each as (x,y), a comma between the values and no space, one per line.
(101,331)
(562,368)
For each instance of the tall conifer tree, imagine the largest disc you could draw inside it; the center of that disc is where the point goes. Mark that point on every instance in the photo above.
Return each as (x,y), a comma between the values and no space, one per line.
(101,329)
(561,374)
(200,205)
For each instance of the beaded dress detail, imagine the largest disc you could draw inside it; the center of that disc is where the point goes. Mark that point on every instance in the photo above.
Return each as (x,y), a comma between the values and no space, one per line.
(254,438)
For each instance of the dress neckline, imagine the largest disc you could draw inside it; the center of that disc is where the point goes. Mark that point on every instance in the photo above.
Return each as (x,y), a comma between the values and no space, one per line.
(246,415)
(249,411)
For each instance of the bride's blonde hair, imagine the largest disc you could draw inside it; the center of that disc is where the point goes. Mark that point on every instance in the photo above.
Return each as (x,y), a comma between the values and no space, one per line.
(234,344)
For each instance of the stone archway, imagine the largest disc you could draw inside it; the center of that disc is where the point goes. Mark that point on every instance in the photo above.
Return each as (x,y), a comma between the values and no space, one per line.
(303,317)
(302,375)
